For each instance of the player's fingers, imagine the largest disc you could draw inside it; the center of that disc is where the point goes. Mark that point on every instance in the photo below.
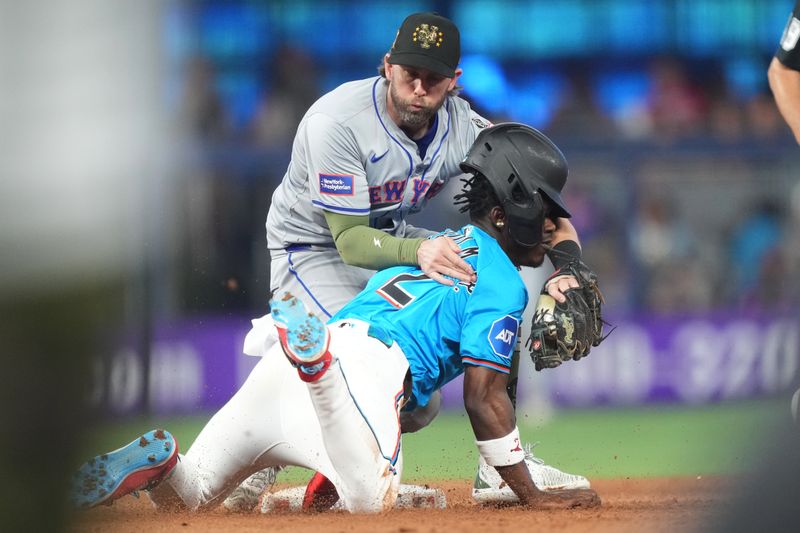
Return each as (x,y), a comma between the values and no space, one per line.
(557,286)
(458,268)
(435,276)
(460,275)
(441,255)
(568,283)
(452,245)
(466,272)
(553,291)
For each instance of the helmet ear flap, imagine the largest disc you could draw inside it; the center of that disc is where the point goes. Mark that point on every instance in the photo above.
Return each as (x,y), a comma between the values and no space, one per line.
(526,222)
(517,192)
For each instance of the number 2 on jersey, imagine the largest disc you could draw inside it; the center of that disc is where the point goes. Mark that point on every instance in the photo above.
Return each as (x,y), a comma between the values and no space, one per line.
(395,294)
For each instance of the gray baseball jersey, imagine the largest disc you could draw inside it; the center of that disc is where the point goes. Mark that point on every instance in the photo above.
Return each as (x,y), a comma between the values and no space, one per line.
(349,157)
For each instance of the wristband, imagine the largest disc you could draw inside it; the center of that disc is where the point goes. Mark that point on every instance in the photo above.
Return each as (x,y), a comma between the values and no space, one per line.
(504,451)
(564,252)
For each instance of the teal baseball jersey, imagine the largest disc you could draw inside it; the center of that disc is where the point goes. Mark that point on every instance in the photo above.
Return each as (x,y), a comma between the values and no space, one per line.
(441,328)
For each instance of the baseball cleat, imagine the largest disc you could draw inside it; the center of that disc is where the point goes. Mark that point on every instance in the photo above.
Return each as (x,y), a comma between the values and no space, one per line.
(246,496)
(303,336)
(140,465)
(320,494)
(489,487)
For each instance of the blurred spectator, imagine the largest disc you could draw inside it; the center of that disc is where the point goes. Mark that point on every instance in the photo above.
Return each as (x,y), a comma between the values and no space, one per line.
(587,213)
(672,275)
(726,122)
(293,87)
(658,234)
(790,250)
(579,114)
(203,115)
(677,106)
(763,119)
(754,242)
(679,286)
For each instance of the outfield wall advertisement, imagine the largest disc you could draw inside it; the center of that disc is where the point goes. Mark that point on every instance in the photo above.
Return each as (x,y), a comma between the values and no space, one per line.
(197,366)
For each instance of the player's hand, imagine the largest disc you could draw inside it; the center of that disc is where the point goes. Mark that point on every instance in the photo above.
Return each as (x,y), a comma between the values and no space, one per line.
(558,285)
(565,499)
(439,257)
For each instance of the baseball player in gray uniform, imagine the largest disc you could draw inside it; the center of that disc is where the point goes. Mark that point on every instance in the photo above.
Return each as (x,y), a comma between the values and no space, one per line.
(366,155)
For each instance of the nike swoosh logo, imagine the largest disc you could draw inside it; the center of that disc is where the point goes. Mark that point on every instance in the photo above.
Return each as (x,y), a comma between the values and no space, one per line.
(374,159)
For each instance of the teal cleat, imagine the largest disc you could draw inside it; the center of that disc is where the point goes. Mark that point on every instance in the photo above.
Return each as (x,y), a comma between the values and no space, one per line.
(140,465)
(303,336)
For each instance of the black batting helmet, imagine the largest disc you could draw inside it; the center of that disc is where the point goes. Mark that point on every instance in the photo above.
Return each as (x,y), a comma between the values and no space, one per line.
(522,165)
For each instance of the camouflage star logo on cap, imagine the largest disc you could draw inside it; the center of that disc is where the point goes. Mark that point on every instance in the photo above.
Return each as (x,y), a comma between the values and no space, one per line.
(427,35)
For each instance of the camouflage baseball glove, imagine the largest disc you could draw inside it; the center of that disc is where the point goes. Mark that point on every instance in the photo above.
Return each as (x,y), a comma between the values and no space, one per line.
(564,331)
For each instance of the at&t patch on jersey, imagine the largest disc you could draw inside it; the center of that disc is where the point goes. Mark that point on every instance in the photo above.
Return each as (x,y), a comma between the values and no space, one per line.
(502,335)
(336,184)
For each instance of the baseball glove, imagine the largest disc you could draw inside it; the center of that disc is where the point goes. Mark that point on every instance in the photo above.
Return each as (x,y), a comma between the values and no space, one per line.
(564,331)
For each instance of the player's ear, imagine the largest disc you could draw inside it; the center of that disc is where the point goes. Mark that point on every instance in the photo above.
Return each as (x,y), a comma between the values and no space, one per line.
(497,216)
(454,80)
(387,67)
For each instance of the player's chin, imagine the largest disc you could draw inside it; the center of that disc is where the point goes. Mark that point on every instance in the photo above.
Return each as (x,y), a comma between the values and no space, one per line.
(535,258)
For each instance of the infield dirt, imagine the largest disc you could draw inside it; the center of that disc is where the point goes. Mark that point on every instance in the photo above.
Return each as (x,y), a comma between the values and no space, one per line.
(674,504)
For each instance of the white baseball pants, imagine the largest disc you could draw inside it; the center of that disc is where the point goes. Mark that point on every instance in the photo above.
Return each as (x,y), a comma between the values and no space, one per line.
(345,425)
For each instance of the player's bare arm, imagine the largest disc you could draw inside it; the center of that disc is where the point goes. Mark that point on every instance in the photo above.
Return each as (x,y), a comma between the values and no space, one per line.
(785,85)
(565,241)
(492,417)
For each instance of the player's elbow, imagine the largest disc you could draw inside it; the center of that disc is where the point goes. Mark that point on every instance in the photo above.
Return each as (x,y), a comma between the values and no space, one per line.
(774,73)
(348,253)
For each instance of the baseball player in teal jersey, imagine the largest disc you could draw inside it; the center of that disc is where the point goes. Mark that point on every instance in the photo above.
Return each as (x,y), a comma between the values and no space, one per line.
(461,321)
(401,339)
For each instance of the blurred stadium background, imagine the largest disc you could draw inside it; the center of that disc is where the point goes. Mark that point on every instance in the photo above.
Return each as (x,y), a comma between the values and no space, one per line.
(143,141)
(683,182)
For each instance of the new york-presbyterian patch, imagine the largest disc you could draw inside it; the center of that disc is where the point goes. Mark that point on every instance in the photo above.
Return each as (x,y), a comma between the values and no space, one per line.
(336,184)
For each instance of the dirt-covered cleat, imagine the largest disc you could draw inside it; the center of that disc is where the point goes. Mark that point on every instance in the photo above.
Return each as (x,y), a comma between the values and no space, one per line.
(489,487)
(140,465)
(246,496)
(320,494)
(303,336)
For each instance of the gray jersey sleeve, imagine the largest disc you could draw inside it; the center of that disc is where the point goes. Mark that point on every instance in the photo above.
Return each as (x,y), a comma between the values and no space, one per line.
(413,232)
(478,123)
(337,178)
(468,130)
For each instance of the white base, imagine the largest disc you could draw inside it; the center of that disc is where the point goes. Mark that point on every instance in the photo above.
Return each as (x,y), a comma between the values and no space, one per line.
(409,497)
